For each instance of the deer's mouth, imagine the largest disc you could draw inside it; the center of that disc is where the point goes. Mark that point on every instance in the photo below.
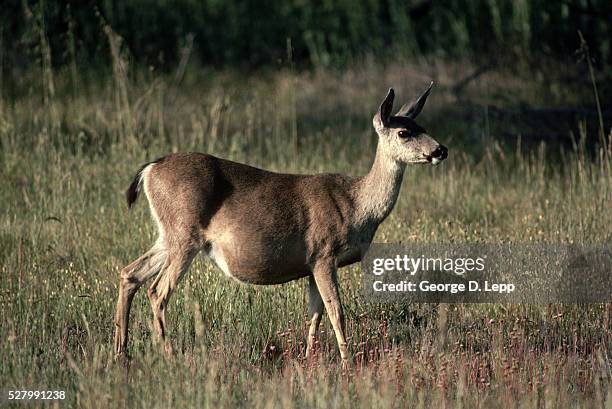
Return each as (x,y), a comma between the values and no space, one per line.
(423,160)
(433,160)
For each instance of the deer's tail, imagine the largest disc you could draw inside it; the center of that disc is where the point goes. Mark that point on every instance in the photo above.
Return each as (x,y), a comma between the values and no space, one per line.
(131,194)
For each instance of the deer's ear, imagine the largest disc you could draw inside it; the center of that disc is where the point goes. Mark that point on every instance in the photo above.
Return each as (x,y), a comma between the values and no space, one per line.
(381,119)
(414,108)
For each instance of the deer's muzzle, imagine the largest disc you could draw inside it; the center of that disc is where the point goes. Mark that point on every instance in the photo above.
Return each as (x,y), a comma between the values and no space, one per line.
(438,155)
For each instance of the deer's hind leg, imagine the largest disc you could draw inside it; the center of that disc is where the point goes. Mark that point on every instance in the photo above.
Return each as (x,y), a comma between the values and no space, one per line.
(315,311)
(132,277)
(177,263)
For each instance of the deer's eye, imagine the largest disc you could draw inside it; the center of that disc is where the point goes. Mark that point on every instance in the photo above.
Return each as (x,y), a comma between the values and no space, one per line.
(404,134)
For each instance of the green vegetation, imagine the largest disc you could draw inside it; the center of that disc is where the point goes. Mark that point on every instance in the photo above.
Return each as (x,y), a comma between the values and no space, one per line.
(321,33)
(76,125)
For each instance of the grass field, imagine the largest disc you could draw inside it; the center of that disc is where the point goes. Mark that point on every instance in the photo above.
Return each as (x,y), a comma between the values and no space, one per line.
(69,147)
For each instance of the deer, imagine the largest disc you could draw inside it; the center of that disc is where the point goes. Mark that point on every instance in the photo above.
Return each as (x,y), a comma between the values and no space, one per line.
(267,228)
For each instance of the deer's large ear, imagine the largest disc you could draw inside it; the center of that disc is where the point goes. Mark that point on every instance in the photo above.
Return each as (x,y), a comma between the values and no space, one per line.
(414,108)
(381,119)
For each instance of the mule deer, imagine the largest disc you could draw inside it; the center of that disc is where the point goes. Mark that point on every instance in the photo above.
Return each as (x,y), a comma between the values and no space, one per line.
(262,227)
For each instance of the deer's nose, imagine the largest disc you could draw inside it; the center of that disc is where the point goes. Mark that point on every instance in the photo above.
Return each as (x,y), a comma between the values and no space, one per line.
(441,152)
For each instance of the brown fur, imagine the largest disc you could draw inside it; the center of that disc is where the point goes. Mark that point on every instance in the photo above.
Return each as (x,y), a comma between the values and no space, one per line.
(262,227)
(266,224)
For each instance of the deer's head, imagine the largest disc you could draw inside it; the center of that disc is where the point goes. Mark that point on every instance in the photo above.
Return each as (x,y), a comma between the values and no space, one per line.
(402,137)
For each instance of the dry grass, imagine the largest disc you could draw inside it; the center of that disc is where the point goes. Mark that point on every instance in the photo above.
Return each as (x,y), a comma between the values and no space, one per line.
(65,234)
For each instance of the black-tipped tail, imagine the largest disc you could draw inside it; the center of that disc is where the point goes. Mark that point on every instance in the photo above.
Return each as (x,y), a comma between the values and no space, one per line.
(131,194)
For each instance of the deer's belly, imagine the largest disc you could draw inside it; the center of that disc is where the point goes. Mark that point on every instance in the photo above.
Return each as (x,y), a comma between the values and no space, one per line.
(256,264)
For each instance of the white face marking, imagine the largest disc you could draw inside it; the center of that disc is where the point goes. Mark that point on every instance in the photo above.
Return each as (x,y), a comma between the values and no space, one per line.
(435,161)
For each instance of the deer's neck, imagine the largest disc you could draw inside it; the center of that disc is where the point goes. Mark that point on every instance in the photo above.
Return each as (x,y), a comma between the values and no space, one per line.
(377,191)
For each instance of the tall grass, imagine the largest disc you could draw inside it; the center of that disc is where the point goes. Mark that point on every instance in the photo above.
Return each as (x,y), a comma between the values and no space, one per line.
(65,234)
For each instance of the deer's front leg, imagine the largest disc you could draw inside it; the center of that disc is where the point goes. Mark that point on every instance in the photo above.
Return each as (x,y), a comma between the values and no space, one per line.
(327,282)
(315,311)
